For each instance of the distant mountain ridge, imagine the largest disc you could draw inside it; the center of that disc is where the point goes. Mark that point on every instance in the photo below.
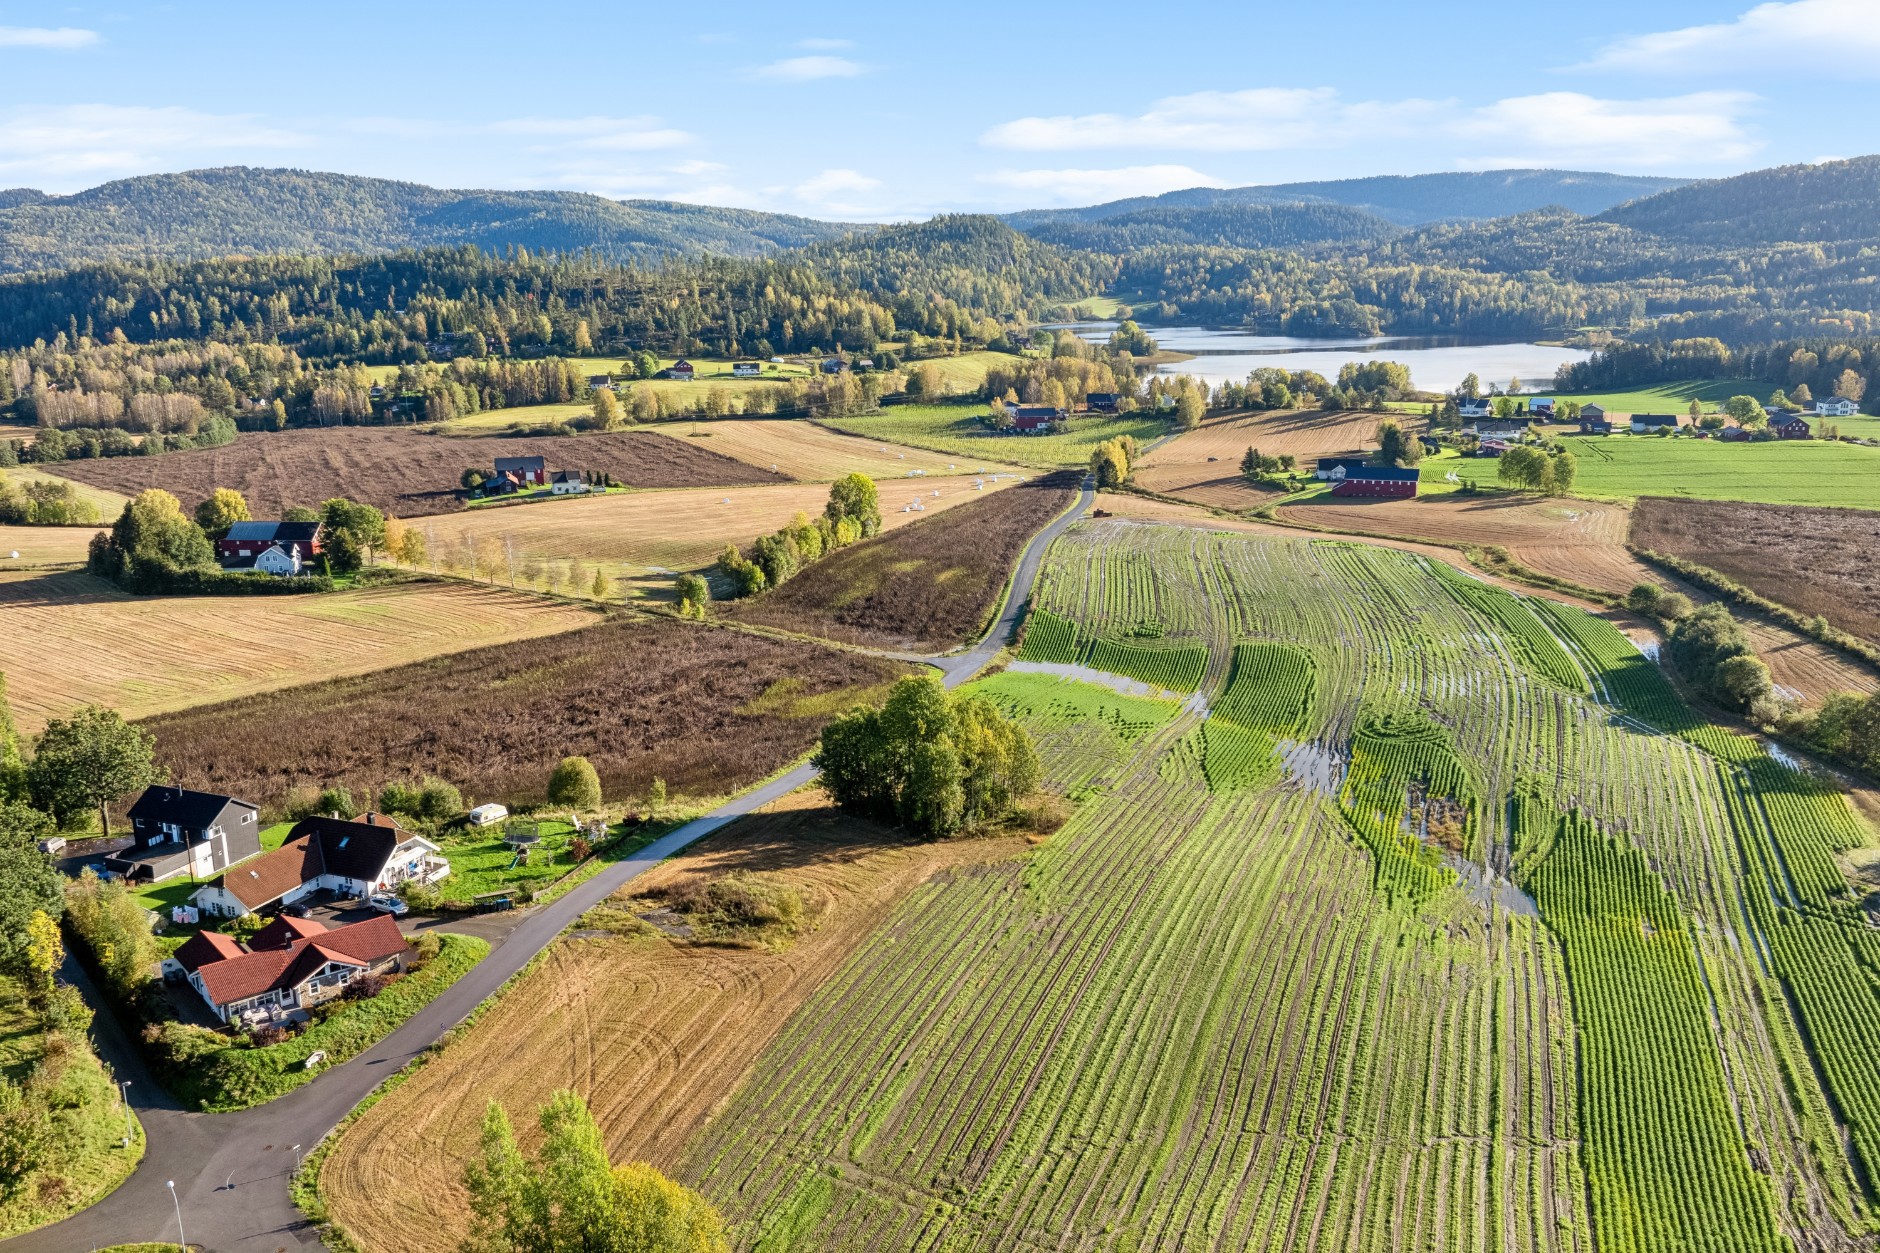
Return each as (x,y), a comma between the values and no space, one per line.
(1403,199)
(1830,202)
(236,210)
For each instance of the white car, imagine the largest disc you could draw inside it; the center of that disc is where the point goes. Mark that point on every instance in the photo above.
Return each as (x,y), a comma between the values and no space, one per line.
(485,815)
(386,904)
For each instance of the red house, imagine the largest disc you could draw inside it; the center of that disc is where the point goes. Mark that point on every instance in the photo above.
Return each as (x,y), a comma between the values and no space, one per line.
(1351,477)
(1032,419)
(246,541)
(530,471)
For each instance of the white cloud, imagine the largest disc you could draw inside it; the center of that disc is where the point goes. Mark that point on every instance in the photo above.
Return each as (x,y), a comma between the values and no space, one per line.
(825,45)
(837,191)
(1841,33)
(808,69)
(1568,127)
(64,38)
(1259,119)
(98,141)
(1087,186)
(608,134)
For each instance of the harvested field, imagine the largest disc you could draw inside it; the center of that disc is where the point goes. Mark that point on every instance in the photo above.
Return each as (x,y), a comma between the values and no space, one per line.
(930,585)
(108,504)
(957,431)
(1815,561)
(653,1032)
(44,545)
(72,639)
(398,470)
(813,453)
(1203,465)
(639,697)
(642,537)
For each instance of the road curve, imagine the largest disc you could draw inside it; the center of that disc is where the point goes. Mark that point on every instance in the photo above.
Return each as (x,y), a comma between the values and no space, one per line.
(231,1171)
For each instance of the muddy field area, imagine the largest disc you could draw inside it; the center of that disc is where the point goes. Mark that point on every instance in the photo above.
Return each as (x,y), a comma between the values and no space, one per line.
(400,471)
(1814,560)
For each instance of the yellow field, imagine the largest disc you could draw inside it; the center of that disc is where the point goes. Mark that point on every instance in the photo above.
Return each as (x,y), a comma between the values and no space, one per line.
(641,538)
(108,504)
(43,545)
(803,450)
(655,1033)
(71,639)
(967,371)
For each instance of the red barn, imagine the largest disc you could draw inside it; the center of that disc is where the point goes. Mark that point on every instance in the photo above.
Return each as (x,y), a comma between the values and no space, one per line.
(1351,477)
(246,541)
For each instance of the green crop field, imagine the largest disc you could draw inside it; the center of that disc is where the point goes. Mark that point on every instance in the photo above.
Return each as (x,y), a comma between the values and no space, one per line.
(1434,920)
(1777,473)
(957,429)
(1669,397)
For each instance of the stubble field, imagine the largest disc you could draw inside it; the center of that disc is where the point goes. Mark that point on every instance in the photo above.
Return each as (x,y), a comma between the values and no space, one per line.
(813,453)
(956,431)
(71,639)
(44,545)
(654,1031)
(640,538)
(398,470)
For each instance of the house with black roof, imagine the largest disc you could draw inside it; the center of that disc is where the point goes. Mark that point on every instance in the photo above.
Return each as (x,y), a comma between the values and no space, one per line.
(1101,402)
(345,856)
(529,471)
(271,547)
(176,831)
(1652,423)
(1352,476)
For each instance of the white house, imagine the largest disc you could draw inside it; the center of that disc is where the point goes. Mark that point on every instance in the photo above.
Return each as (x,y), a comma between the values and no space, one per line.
(567,483)
(746,369)
(275,561)
(347,858)
(1836,407)
(1479,408)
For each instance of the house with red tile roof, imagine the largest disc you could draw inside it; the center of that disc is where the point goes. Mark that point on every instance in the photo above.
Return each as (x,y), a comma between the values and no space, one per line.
(348,857)
(291,965)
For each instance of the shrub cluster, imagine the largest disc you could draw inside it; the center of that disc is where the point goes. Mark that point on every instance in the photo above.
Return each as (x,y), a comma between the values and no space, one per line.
(853,513)
(1714,654)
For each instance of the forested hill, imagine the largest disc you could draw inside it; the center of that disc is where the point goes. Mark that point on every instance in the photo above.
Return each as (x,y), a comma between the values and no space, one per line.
(1407,200)
(1226,226)
(1834,202)
(238,210)
(973,260)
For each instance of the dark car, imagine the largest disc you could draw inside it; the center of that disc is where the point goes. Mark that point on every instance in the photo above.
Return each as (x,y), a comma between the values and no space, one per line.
(295,910)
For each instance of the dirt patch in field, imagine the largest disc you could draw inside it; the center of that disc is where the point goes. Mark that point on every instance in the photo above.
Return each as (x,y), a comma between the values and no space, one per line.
(397,470)
(706,709)
(70,639)
(1814,560)
(654,1032)
(929,585)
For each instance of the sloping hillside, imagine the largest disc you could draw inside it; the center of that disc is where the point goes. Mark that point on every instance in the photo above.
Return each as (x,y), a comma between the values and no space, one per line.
(1833,202)
(1226,226)
(207,213)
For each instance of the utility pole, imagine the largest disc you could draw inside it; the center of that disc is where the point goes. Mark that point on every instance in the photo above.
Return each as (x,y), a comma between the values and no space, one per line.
(177,1201)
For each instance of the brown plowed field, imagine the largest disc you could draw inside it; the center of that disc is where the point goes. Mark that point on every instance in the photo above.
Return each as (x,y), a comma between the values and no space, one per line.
(69,639)
(639,697)
(1814,560)
(1181,467)
(397,470)
(930,585)
(655,1033)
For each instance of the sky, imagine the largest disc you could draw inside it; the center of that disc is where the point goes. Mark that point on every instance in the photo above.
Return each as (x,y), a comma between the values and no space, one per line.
(896,111)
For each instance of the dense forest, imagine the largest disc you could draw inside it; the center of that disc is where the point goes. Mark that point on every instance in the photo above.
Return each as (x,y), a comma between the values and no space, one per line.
(1298,226)
(212,213)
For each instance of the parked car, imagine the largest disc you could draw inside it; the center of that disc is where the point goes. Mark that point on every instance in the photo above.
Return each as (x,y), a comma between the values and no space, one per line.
(486,815)
(295,910)
(388,904)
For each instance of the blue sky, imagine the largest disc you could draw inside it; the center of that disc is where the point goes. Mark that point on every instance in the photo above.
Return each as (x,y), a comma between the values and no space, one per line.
(897,110)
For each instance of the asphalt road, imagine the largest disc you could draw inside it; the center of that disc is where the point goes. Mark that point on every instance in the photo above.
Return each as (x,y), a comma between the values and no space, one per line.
(231,1171)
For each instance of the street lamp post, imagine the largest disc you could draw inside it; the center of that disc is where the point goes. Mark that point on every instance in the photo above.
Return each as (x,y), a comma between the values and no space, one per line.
(124,1098)
(296,1159)
(177,1201)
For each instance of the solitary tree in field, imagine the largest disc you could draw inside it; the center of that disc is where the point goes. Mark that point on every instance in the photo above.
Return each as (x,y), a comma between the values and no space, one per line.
(1747,411)
(570,1197)
(853,496)
(575,783)
(222,510)
(89,760)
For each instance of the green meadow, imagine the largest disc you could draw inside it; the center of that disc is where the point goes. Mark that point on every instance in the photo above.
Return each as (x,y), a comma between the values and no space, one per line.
(1783,473)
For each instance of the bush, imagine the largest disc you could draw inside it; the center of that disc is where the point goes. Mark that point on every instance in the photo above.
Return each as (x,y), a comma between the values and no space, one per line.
(575,783)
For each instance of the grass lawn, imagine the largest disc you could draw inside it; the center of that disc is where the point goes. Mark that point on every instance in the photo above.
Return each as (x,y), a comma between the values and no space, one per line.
(480,862)
(1667,397)
(1784,473)
(80,1159)
(161,897)
(237,1078)
(957,429)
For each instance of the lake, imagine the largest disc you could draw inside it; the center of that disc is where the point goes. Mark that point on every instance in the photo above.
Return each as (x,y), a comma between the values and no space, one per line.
(1436,363)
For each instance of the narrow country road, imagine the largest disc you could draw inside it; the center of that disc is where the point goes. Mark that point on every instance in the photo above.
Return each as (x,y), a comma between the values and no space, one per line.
(232,1171)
